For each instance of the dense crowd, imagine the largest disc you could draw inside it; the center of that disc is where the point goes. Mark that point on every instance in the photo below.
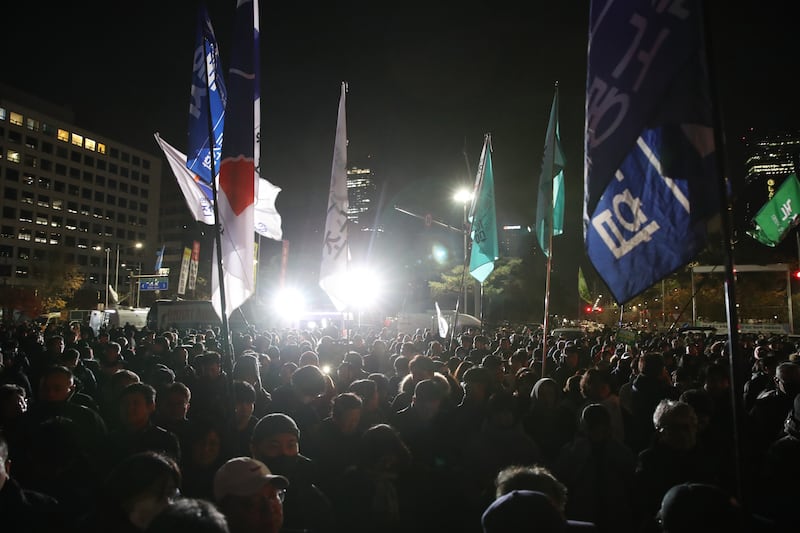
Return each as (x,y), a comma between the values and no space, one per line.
(140,430)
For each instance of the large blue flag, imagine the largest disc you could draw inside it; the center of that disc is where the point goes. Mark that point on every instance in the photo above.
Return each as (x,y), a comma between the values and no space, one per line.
(650,179)
(207,103)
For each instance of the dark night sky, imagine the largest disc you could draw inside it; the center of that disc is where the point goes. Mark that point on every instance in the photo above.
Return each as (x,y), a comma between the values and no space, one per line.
(426,79)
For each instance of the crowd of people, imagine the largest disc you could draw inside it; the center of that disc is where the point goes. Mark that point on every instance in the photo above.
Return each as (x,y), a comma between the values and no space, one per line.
(385,431)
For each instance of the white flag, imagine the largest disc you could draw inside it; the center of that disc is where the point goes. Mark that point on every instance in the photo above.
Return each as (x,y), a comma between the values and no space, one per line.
(267,220)
(335,248)
(442,321)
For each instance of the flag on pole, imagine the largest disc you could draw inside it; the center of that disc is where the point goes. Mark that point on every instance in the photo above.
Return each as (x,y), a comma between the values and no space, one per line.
(240,158)
(335,247)
(484,220)
(583,288)
(649,142)
(200,199)
(159,258)
(780,214)
(441,321)
(550,202)
(208,96)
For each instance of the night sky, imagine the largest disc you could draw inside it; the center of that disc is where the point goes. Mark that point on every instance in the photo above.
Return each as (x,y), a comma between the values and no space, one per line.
(426,79)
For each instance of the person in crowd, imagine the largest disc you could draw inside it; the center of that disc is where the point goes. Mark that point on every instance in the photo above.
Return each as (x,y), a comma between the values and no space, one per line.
(700,508)
(56,388)
(246,368)
(22,510)
(548,422)
(250,496)
(334,443)
(598,470)
(212,397)
(517,507)
(135,492)
(673,458)
(137,433)
(237,435)
(276,443)
(189,514)
(373,495)
(201,458)
(650,387)
(371,414)
(771,408)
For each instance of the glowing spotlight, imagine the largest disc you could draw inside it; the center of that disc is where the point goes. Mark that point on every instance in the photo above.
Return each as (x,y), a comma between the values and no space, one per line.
(289,303)
(439,253)
(363,288)
(326,369)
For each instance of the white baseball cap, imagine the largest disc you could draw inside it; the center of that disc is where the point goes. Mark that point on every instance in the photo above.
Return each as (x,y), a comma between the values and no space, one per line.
(243,476)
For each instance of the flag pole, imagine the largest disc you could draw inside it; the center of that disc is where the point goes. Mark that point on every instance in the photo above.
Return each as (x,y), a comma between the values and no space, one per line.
(226,348)
(726,211)
(549,225)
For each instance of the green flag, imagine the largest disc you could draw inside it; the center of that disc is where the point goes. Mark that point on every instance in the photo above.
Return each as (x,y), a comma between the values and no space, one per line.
(583,289)
(779,214)
(550,202)
(484,220)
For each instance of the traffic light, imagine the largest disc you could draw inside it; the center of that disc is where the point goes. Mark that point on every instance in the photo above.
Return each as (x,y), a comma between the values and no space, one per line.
(588,309)
(796,274)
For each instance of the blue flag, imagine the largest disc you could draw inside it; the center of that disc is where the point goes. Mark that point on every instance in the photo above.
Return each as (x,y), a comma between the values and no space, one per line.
(159,258)
(650,178)
(208,96)
(484,219)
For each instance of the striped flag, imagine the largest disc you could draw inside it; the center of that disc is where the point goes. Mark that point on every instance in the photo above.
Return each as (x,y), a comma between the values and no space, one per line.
(240,159)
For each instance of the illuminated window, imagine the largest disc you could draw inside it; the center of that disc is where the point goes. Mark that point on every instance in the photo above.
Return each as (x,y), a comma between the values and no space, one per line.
(24,234)
(56,222)
(40,237)
(83,243)
(25,215)
(71,224)
(13,156)
(90,144)
(77,140)
(43,201)
(2,113)
(27,197)
(55,238)
(41,220)
(32,124)
(16,119)
(101,148)
(21,271)
(58,204)
(63,135)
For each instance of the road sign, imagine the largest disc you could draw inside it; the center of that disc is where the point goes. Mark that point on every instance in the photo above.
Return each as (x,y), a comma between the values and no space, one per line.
(153,283)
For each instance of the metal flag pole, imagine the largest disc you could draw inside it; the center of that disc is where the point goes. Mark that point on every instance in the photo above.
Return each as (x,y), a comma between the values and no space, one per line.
(226,347)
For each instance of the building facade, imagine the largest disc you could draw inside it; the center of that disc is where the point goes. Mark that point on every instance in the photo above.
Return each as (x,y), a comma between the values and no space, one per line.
(72,197)
(770,158)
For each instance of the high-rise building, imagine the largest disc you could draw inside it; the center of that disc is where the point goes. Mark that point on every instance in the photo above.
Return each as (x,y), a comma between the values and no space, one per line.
(361,195)
(72,197)
(515,241)
(770,158)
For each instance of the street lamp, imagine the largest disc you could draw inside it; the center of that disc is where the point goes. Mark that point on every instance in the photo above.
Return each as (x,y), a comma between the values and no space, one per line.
(108,282)
(464,197)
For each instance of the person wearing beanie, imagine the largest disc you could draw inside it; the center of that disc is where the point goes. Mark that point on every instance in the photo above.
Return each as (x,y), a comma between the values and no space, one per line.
(276,443)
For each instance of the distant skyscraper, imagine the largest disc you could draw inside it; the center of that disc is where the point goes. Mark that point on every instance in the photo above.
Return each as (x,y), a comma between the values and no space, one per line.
(361,193)
(769,159)
(516,241)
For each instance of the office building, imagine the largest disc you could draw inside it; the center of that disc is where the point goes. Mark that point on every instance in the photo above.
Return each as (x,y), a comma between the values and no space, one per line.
(770,158)
(361,195)
(72,197)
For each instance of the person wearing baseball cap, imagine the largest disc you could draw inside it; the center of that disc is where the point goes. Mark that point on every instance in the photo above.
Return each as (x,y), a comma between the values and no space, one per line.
(250,496)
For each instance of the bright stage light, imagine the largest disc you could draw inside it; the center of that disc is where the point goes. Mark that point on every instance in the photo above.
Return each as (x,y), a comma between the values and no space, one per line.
(364,288)
(289,303)
(439,254)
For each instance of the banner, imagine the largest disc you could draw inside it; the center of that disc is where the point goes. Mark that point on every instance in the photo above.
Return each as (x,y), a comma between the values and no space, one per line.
(485,249)
(335,246)
(550,200)
(774,220)
(184,276)
(194,265)
(651,183)
(208,97)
